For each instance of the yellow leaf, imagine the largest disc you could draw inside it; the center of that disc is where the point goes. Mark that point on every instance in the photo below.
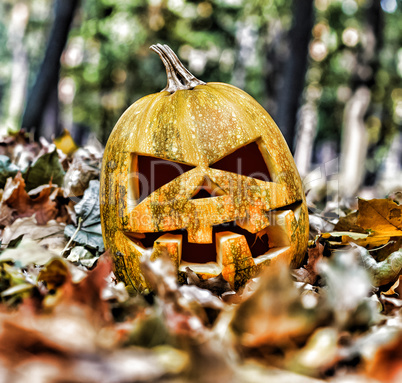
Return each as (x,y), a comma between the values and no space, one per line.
(382,216)
(65,143)
(347,237)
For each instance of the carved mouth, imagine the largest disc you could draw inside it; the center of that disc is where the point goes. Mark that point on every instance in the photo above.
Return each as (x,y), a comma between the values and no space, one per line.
(211,258)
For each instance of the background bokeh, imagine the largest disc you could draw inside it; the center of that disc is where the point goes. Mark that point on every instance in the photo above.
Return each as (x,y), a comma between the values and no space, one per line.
(328,71)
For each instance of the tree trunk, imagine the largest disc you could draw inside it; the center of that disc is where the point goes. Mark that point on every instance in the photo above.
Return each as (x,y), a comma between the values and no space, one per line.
(354,147)
(354,143)
(43,99)
(19,72)
(295,69)
(305,140)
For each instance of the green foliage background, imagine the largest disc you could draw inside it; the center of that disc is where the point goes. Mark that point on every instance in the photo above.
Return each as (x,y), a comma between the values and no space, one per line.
(107,65)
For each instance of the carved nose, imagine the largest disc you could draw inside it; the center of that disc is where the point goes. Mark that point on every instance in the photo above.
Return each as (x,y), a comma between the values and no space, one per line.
(207,189)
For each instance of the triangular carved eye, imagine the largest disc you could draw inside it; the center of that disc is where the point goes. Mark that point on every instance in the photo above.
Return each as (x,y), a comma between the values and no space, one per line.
(246,161)
(153,173)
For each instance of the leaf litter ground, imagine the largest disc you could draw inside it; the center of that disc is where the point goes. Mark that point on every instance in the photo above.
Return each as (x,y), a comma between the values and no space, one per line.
(65,318)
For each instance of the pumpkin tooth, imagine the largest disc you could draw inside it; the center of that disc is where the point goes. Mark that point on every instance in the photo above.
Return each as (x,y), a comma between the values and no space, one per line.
(170,245)
(232,254)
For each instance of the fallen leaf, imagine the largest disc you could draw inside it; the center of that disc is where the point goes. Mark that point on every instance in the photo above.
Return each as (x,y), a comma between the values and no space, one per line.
(16,199)
(347,286)
(396,196)
(217,285)
(65,143)
(395,288)
(19,148)
(349,223)
(343,238)
(319,225)
(67,346)
(384,272)
(309,273)
(386,363)
(55,273)
(78,176)
(87,291)
(320,353)
(183,317)
(7,169)
(82,256)
(50,235)
(19,342)
(90,231)
(47,168)
(382,216)
(17,289)
(27,253)
(274,315)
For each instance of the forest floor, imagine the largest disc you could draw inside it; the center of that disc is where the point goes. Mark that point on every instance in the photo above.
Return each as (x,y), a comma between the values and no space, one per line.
(65,318)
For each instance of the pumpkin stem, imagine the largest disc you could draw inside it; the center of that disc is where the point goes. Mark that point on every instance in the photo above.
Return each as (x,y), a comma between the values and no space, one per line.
(177,75)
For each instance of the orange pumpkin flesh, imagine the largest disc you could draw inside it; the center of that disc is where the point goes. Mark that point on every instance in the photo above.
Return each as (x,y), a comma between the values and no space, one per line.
(192,128)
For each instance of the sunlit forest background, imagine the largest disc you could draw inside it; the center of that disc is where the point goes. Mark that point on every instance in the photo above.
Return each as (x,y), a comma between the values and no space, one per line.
(328,71)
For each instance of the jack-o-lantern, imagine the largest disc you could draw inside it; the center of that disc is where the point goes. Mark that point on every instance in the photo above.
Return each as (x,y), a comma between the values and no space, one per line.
(202,173)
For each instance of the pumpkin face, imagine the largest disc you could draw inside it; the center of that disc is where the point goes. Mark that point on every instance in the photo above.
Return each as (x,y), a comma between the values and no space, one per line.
(202,173)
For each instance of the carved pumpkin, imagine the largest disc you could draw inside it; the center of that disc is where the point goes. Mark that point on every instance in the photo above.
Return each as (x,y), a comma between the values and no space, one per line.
(200,172)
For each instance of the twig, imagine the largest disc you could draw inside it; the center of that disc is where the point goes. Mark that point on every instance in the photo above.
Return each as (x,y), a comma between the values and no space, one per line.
(73,236)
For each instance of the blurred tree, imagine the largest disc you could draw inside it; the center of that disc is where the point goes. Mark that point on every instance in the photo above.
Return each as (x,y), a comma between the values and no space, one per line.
(41,113)
(355,138)
(289,97)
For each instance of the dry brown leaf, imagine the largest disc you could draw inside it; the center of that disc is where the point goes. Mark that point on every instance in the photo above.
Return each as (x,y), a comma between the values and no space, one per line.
(66,346)
(309,273)
(87,292)
(50,235)
(349,223)
(19,342)
(217,285)
(275,314)
(386,365)
(395,288)
(15,197)
(77,178)
(19,148)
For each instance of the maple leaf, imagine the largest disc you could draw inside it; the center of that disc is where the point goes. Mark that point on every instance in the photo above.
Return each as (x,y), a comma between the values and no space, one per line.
(382,216)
